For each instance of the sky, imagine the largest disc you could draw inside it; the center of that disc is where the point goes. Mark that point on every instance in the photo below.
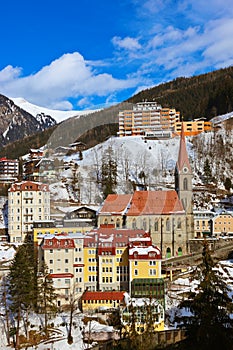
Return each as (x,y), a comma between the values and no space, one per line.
(77,55)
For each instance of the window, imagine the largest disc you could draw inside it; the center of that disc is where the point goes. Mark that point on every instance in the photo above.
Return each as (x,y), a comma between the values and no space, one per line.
(118,223)
(134,226)
(185,184)
(51,261)
(135,263)
(179,223)
(66,261)
(167,225)
(135,272)
(152,272)
(144,225)
(156,225)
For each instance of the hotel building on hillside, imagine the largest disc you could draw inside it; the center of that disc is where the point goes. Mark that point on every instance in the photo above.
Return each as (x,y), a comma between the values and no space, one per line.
(27,202)
(149,119)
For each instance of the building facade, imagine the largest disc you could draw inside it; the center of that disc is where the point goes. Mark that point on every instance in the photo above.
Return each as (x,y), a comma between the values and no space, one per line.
(147,118)
(193,128)
(27,202)
(9,170)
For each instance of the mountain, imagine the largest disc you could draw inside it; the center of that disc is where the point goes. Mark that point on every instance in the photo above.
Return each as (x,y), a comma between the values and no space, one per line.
(16,123)
(55,114)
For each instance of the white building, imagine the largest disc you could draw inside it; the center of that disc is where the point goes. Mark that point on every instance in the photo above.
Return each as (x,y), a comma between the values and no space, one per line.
(9,170)
(27,202)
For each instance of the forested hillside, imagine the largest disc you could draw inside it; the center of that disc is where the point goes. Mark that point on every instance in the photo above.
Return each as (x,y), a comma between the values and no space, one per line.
(206,95)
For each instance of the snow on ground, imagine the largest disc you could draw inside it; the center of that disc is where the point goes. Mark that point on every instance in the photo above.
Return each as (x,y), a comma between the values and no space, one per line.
(7,253)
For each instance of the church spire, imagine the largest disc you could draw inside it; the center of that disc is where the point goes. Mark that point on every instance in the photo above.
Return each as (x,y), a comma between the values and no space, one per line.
(183,160)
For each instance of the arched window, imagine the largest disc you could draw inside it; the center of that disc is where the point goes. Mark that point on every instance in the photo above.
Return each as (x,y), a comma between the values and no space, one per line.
(105,221)
(179,223)
(168,252)
(179,251)
(118,223)
(144,224)
(156,225)
(167,225)
(185,184)
(134,226)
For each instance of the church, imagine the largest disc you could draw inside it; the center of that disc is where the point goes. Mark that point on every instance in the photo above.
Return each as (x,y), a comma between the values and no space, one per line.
(166,214)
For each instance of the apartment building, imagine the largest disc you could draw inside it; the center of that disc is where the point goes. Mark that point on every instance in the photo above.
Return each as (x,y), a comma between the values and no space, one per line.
(9,170)
(149,119)
(63,255)
(27,202)
(193,128)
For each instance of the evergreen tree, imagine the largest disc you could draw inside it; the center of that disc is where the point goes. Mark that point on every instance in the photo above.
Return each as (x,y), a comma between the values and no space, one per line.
(210,325)
(207,171)
(47,298)
(109,173)
(22,286)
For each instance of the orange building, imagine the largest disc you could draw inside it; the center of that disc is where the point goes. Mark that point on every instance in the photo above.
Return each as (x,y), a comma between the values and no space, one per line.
(192,128)
(149,119)
(223,224)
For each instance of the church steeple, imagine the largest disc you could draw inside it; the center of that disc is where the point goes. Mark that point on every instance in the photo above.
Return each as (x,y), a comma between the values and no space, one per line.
(183,160)
(183,175)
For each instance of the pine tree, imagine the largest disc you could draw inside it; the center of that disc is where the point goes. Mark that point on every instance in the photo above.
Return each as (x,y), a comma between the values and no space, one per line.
(47,298)
(109,173)
(22,288)
(210,325)
(207,171)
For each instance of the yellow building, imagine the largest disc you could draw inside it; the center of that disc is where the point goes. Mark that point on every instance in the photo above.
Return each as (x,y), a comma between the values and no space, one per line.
(99,301)
(223,224)
(192,128)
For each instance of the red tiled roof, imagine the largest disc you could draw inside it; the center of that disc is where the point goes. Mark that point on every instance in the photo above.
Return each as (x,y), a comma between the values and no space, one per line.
(29,186)
(155,202)
(58,243)
(116,203)
(106,295)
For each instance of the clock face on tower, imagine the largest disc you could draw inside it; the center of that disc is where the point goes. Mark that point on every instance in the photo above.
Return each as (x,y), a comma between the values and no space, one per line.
(185,169)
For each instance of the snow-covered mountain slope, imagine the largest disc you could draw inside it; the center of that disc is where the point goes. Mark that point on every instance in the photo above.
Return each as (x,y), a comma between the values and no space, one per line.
(56,114)
(16,123)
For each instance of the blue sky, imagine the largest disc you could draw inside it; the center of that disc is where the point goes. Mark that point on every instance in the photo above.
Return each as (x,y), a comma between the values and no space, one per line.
(88,54)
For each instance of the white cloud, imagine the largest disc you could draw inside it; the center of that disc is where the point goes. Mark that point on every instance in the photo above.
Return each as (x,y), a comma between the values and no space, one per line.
(9,73)
(66,77)
(127,43)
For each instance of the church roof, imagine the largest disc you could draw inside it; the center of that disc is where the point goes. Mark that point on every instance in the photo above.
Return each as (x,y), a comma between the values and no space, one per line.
(183,159)
(116,204)
(155,203)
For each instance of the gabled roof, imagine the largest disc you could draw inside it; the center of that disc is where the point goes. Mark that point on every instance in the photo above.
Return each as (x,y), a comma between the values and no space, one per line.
(155,203)
(116,204)
(183,159)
